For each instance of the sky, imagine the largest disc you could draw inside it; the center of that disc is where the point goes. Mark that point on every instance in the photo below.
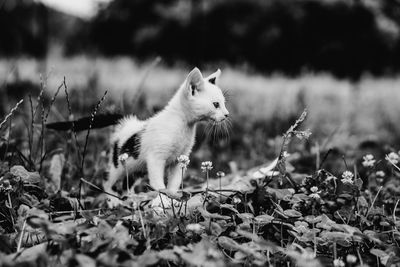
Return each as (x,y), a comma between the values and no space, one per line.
(80,8)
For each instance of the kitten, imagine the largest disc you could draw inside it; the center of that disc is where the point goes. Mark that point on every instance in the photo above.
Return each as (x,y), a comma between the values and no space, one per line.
(153,145)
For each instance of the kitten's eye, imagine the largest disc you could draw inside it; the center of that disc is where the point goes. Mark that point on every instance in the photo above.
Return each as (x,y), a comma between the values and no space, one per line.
(216,104)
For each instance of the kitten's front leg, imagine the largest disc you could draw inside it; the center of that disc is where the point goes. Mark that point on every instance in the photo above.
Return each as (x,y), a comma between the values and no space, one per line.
(155,168)
(175,178)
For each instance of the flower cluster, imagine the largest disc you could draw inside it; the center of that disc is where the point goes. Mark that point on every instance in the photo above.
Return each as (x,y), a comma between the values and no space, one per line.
(5,186)
(380,174)
(393,157)
(368,160)
(301,227)
(220,174)
(350,258)
(347,177)
(236,200)
(303,134)
(314,192)
(194,227)
(206,166)
(183,161)
(123,157)
(338,263)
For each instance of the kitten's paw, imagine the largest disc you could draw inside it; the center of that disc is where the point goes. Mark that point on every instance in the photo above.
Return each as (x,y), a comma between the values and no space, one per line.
(161,201)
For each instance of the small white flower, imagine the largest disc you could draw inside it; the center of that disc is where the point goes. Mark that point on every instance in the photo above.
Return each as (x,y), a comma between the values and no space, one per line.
(6,186)
(303,134)
(347,181)
(236,200)
(220,174)
(183,161)
(123,157)
(292,191)
(194,227)
(368,160)
(393,157)
(285,154)
(314,189)
(314,192)
(338,263)
(206,166)
(347,177)
(350,258)
(380,174)
(302,229)
(315,196)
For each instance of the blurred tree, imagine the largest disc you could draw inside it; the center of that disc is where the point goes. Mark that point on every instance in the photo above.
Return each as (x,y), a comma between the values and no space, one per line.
(23,28)
(344,37)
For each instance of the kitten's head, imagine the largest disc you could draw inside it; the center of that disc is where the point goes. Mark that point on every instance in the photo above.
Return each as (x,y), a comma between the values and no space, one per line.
(205,99)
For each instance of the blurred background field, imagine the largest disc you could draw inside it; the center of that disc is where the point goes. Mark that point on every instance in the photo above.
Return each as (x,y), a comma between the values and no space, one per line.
(342,113)
(339,59)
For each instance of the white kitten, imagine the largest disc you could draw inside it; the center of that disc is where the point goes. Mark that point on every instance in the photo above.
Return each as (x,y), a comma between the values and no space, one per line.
(155,144)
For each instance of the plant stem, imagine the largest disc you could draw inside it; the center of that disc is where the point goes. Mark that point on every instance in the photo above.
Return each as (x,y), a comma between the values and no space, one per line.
(373,202)
(21,236)
(183,170)
(11,211)
(141,222)
(127,179)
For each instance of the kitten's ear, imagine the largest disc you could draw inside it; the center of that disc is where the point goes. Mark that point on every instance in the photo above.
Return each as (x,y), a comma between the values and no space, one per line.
(213,77)
(194,81)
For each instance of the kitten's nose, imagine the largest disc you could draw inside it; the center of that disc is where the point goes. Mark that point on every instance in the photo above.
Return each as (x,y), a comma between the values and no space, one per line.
(226,115)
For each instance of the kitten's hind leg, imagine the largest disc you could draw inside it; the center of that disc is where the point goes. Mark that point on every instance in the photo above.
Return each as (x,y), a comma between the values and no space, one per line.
(113,176)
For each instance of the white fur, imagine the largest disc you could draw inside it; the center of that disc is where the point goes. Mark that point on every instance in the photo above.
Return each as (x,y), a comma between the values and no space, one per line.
(171,132)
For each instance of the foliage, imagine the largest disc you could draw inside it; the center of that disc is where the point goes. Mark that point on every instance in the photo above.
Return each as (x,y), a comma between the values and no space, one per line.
(268,215)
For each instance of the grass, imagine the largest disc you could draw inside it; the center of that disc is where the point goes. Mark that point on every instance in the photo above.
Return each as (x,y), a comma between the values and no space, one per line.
(357,108)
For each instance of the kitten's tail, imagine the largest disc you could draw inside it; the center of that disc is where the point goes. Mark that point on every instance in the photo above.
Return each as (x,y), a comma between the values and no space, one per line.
(100,121)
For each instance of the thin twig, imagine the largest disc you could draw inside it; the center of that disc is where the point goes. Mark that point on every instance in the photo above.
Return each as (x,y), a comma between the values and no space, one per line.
(11,113)
(71,117)
(92,117)
(99,189)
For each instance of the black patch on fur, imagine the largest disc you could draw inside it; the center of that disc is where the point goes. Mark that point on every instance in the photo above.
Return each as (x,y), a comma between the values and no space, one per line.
(115,155)
(132,146)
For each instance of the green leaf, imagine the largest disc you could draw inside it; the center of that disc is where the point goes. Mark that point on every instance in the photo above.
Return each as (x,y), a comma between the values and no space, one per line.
(292,213)
(228,243)
(264,219)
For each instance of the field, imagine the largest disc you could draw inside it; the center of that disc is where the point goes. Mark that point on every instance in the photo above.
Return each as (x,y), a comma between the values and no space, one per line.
(323,202)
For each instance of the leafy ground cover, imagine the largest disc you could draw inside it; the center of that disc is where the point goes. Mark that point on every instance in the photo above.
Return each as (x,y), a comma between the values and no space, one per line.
(309,207)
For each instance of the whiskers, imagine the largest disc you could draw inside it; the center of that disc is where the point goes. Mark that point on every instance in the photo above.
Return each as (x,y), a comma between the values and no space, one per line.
(218,131)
